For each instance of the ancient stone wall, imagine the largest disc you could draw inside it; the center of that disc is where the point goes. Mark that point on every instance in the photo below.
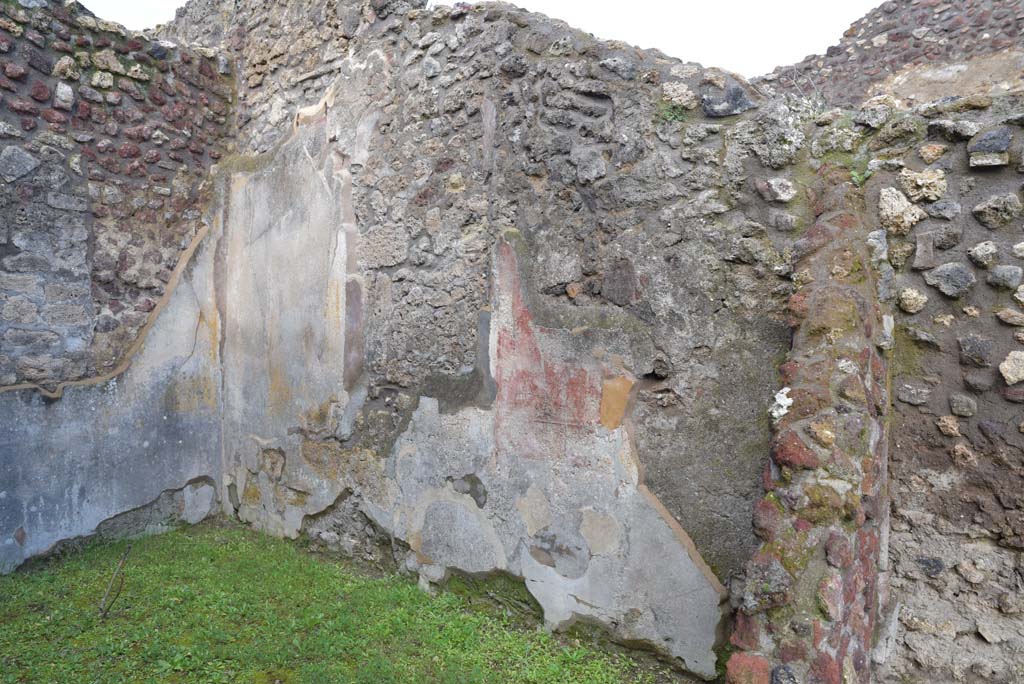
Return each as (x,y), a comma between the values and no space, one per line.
(476,293)
(287,54)
(107,138)
(548,271)
(949,200)
(902,34)
(493,292)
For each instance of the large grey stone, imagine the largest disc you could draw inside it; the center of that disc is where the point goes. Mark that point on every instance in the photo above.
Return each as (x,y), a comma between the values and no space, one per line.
(1005,276)
(962,405)
(991,147)
(984,254)
(952,279)
(16,162)
(732,102)
(63,96)
(998,211)
(945,209)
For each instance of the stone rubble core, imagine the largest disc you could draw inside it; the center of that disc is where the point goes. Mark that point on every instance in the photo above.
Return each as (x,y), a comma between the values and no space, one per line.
(468,291)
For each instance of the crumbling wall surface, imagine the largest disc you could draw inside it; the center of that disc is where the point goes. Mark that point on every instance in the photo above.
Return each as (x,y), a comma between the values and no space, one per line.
(496,285)
(286,54)
(940,40)
(949,199)
(105,138)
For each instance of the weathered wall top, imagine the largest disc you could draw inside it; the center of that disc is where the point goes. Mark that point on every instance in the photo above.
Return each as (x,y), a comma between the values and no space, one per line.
(912,34)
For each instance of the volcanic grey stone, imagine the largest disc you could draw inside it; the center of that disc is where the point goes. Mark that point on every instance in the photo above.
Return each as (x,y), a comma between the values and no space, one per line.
(913,395)
(16,162)
(997,211)
(590,165)
(67,202)
(875,112)
(621,66)
(782,136)
(932,567)
(976,350)
(619,283)
(948,236)
(952,279)
(776,189)
(783,674)
(734,101)
(1005,277)
(431,67)
(962,405)
(995,140)
(943,209)
(90,94)
(953,130)
(924,254)
(923,337)
(781,220)
(983,254)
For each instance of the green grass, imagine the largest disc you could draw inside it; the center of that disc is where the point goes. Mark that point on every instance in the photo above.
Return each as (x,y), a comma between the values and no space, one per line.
(218,603)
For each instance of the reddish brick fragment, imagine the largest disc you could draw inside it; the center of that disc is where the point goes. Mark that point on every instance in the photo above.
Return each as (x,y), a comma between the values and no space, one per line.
(792,651)
(838,551)
(14,70)
(825,670)
(40,92)
(53,116)
(746,632)
(789,450)
(23,106)
(769,520)
(747,668)
(129,150)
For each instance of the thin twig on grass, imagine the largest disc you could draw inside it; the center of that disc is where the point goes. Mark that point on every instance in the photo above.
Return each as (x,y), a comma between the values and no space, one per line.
(105,606)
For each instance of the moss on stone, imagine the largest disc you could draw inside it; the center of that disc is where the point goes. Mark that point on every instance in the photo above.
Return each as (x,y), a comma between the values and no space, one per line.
(904,127)
(497,594)
(833,313)
(906,355)
(824,507)
(669,112)
(722,654)
(791,550)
